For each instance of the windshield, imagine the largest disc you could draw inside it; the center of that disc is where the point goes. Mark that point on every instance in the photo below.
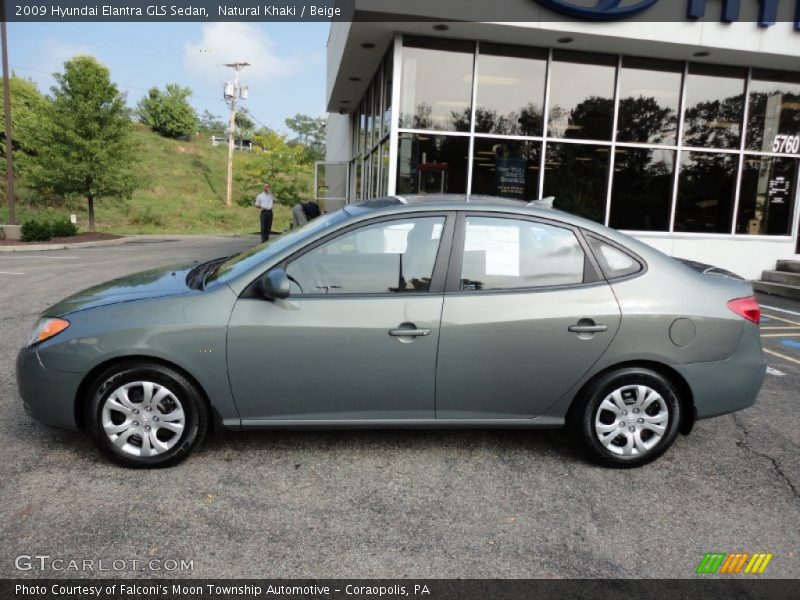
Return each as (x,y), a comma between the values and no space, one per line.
(250,258)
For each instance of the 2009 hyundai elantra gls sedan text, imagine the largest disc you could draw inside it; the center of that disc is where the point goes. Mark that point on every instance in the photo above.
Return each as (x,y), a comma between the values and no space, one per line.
(403,312)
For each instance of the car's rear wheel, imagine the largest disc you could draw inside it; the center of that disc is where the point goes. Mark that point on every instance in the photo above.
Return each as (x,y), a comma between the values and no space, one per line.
(628,417)
(145,415)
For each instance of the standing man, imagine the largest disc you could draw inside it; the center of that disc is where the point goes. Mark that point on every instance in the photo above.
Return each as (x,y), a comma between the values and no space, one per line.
(264,202)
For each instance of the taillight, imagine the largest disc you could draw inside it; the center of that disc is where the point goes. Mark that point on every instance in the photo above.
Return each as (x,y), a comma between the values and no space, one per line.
(747,308)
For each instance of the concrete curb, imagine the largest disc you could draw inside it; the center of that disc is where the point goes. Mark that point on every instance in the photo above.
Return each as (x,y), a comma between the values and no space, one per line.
(123,240)
(41,247)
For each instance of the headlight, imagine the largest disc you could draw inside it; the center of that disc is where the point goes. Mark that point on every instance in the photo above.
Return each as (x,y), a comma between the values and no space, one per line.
(47,328)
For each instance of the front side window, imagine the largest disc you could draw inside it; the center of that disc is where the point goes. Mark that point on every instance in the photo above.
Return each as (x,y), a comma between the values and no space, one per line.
(393,256)
(503,254)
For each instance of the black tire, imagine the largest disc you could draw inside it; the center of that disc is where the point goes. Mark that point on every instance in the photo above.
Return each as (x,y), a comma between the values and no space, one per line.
(189,399)
(587,413)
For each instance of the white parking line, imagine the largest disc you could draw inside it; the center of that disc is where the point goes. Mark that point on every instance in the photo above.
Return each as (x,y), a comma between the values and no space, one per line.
(783,356)
(783,310)
(772,371)
(10,273)
(781,319)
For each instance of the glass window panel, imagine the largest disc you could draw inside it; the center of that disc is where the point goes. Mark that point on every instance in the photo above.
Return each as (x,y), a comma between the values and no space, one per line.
(508,168)
(375,180)
(513,254)
(437,84)
(510,95)
(714,106)
(774,109)
(362,127)
(649,101)
(385,168)
(370,107)
(432,164)
(577,175)
(641,192)
(357,180)
(379,102)
(394,256)
(388,72)
(766,200)
(614,262)
(706,189)
(582,96)
(356,133)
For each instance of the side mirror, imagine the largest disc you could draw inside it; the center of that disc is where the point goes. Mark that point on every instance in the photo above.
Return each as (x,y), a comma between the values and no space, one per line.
(274,285)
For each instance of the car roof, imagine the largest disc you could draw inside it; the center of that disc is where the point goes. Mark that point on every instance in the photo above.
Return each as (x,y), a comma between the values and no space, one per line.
(402,203)
(391,205)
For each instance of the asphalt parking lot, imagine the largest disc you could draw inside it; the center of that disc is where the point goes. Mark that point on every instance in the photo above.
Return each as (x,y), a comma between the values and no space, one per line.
(390,503)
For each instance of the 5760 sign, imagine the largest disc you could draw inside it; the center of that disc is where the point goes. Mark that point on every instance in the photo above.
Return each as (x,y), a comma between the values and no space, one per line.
(786,144)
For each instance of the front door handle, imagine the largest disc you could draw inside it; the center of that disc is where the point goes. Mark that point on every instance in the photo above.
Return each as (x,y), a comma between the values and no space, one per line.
(409,332)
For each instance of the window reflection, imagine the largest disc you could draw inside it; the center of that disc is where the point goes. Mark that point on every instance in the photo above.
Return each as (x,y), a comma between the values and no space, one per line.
(577,175)
(714,106)
(649,101)
(582,96)
(774,108)
(432,164)
(437,84)
(507,168)
(641,193)
(766,201)
(706,189)
(510,95)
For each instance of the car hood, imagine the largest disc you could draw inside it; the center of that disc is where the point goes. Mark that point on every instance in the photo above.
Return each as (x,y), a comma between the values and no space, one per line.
(155,283)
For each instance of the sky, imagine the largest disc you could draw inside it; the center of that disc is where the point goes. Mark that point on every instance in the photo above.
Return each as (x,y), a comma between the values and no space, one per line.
(286,76)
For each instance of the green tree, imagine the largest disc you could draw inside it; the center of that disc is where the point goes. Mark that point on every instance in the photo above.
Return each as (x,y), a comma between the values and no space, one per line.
(212,124)
(169,112)
(245,126)
(85,144)
(285,166)
(309,133)
(28,107)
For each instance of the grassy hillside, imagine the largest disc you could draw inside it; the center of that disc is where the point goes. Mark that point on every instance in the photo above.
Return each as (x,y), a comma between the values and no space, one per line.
(183,192)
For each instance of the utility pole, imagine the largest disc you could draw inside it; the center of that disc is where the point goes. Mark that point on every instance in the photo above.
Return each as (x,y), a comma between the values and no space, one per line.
(7,110)
(233,91)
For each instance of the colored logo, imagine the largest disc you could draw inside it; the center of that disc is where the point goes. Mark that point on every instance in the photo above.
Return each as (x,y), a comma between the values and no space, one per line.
(735,563)
(604,10)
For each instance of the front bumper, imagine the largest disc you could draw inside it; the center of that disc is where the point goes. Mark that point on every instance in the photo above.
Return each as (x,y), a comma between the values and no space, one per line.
(48,396)
(733,384)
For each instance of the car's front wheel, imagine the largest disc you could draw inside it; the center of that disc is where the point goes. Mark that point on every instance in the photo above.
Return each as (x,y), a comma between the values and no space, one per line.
(145,415)
(628,417)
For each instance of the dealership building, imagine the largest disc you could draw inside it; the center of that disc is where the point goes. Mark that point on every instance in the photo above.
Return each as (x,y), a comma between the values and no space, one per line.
(683,133)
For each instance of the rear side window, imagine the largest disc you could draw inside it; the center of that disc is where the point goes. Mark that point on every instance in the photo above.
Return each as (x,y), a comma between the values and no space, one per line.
(503,254)
(614,262)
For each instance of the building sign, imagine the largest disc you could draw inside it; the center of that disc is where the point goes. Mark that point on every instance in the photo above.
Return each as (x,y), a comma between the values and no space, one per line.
(612,10)
(605,10)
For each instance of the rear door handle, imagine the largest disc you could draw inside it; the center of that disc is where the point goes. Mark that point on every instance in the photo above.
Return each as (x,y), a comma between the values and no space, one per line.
(588,328)
(409,332)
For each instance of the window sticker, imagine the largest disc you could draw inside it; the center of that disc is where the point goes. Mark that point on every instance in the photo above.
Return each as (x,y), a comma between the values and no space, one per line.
(502,251)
